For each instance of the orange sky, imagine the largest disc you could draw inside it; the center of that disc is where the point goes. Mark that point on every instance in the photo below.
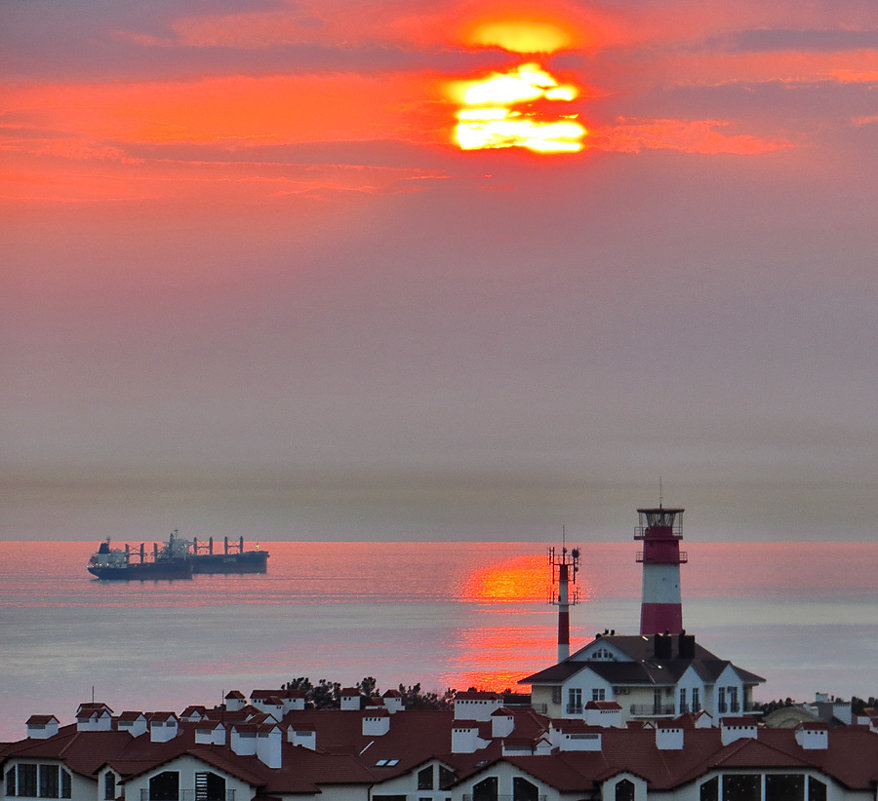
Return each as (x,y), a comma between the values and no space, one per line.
(70,136)
(241,239)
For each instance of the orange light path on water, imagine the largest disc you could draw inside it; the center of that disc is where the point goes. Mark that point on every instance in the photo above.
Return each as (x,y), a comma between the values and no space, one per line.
(501,111)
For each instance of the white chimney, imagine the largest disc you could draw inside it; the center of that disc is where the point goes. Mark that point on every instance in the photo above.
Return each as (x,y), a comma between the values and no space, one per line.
(605,714)
(210,733)
(132,722)
(463,739)
(732,729)
(812,736)
(162,727)
(376,724)
(669,738)
(42,727)
(502,723)
(307,738)
(269,744)
(243,739)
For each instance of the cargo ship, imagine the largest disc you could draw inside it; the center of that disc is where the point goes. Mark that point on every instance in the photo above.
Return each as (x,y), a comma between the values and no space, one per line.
(175,559)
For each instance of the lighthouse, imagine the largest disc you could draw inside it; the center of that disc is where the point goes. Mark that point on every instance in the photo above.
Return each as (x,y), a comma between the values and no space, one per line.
(565,566)
(661,609)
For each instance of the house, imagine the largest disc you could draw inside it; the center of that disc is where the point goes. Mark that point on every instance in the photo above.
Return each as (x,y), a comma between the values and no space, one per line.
(501,753)
(661,676)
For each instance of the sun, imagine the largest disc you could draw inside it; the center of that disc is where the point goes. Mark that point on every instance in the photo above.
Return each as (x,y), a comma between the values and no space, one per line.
(508,109)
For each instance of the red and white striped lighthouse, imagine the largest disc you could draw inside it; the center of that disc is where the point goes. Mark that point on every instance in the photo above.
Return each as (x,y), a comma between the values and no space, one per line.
(661,608)
(564,569)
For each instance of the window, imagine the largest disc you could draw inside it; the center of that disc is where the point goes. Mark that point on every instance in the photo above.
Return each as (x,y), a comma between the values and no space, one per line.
(446,777)
(816,789)
(48,781)
(683,707)
(10,781)
(27,780)
(742,787)
(696,699)
(721,700)
(209,786)
(165,786)
(598,694)
(66,789)
(574,700)
(109,785)
(784,787)
(733,699)
(523,790)
(486,790)
(710,790)
(425,778)
(625,790)
(556,695)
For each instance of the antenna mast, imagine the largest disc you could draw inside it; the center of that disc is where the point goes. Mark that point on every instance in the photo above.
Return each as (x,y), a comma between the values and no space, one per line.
(565,566)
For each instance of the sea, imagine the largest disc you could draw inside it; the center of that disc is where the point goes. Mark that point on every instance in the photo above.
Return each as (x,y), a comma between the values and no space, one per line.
(444,615)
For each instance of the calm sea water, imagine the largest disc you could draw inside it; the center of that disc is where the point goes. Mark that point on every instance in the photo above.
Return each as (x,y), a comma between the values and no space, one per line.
(804,616)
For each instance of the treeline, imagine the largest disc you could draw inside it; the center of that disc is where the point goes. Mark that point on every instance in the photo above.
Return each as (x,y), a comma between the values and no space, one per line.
(327,694)
(857,704)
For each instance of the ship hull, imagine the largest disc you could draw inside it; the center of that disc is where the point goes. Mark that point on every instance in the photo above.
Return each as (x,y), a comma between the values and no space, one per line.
(149,571)
(247,562)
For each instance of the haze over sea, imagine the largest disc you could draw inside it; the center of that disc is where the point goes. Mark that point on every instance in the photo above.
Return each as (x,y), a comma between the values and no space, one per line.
(449,614)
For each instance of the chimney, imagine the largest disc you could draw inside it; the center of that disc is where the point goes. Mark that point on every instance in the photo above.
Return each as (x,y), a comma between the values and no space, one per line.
(235,701)
(740,728)
(307,738)
(269,745)
(813,736)
(132,722)
(42,727)
(668,737)
(464,739)
(350,698)
(162,727)
(376,724)
(662,646)
(686,645)
(606,714)
(210,733)
(243,739)
(502,723)
(393,701)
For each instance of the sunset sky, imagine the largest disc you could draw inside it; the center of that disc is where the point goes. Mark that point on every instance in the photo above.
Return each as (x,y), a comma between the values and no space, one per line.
(252,284)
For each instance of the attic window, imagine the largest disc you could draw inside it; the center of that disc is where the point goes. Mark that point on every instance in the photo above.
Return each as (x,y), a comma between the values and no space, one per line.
(602,655)
(386,763)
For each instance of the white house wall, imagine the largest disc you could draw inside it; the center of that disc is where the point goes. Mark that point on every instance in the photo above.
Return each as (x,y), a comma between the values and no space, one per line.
(608,788)
(505,773)
(689,681)
(82,788)
(187,767)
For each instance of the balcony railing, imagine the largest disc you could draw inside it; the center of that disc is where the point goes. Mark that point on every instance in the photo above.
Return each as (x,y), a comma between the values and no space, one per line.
(188,795)
(684,558)
(651,710)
